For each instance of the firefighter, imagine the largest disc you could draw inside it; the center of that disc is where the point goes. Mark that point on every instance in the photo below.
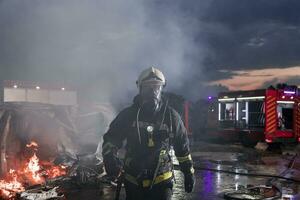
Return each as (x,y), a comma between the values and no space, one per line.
(150,127)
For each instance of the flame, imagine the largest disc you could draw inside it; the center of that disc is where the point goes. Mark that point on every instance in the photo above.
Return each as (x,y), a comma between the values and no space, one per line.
(32,144)
(33,171)
(33,168)
(8,188)
(53,171)
(56,171)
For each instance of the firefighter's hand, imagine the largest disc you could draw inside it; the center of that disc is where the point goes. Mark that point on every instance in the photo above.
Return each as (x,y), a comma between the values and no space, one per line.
(113,166)
(189,182)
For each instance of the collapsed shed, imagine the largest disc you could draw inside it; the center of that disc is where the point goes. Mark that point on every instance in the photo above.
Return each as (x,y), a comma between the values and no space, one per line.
(45,133)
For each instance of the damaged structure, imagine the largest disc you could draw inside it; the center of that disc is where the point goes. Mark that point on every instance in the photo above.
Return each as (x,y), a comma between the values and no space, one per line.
(47,141)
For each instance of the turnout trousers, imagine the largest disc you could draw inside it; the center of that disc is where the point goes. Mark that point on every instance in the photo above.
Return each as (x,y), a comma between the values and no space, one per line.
(158,192)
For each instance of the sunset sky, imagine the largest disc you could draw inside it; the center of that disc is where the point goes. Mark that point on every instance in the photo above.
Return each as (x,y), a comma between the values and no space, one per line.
(202,47)
(260,78)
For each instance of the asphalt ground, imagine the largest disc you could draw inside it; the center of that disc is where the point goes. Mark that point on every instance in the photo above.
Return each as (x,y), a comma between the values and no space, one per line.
(230,167)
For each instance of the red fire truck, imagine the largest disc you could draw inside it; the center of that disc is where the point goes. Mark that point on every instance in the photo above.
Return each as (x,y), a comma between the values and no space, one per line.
(271,114)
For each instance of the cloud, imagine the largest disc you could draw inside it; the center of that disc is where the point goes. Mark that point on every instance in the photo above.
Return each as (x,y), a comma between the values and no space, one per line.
(252,34)
(253,79)
(256,42)
(292,80)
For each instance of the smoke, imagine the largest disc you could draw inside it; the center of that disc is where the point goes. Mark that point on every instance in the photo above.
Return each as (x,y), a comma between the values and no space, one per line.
(101,46)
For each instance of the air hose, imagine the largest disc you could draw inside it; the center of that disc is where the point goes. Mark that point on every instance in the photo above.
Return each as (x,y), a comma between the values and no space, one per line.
(255,192)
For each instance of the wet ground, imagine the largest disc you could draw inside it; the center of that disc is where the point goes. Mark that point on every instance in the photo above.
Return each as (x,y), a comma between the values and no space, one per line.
(216,165)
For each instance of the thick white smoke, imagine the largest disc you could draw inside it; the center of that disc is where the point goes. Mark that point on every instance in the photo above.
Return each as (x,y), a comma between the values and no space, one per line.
(100,45)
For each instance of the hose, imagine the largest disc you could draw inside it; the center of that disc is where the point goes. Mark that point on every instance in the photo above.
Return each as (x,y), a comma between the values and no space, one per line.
(233,195)
(290,165)
(248,174)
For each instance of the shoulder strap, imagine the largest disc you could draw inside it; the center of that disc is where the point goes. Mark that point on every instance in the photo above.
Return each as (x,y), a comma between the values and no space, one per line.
(164,113)
(171,134)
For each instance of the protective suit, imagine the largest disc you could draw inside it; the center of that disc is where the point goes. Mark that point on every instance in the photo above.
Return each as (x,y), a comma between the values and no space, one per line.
(150,127)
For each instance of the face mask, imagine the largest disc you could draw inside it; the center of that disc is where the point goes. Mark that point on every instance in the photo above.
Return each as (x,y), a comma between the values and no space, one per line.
(150,97)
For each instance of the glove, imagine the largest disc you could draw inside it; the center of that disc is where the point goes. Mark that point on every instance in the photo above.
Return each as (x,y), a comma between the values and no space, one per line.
(189,182)
(113,165)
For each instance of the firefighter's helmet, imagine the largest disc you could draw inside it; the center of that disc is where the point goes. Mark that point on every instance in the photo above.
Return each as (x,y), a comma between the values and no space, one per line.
(151,75)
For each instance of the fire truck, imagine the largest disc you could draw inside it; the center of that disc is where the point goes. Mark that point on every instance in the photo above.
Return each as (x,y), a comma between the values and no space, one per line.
(271,114)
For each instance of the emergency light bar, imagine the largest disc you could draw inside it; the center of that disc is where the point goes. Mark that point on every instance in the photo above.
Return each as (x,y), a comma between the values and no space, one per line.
(227,99)
(237,111)
(289,92)
(249,98)
(219,112)
(287,102)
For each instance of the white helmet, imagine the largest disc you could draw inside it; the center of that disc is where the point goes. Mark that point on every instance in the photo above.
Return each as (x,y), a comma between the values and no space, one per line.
(151,74)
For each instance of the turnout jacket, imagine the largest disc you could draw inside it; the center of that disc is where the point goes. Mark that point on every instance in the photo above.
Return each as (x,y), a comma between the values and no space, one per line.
(147,139)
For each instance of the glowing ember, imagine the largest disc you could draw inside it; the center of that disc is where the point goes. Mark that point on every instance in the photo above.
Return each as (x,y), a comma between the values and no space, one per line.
(9,188)
(33,172)
(56,171)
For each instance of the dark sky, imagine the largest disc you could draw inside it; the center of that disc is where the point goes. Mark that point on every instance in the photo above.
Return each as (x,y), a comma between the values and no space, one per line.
(104,45)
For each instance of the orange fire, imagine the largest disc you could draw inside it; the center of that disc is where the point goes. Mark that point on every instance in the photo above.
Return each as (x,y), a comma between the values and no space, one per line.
(34,171)
(32,144)
(53,171)
(10,187)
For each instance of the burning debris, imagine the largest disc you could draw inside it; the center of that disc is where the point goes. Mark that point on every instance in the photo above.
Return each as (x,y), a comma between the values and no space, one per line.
(43,154)
(42,194)
(11,186)
(42,180)
(33,171)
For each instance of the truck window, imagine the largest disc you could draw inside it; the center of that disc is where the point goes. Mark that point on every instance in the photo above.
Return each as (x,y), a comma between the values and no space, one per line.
(256,114)
(285,116)
(227,114)
(227,111)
